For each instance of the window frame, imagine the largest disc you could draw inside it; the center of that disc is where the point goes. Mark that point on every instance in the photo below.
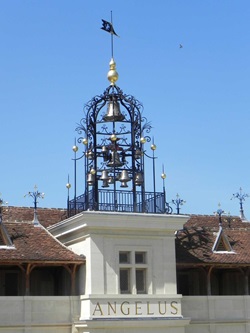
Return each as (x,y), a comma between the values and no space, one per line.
(132,266)
(128,290)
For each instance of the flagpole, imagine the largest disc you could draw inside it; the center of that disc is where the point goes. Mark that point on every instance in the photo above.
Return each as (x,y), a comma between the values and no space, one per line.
(112,36)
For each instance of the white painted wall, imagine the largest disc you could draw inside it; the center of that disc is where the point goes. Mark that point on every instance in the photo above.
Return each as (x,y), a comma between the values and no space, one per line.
(45,314)
(217,314)
(38,314)
(99,236)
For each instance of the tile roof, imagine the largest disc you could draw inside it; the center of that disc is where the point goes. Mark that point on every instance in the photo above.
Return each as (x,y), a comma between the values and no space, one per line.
(195,242)
(35,244)
(46,216)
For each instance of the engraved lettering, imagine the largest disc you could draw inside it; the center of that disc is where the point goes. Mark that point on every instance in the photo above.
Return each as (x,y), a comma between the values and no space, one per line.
(111,307)
(160,308)
(137,308)
(127,309)
(172,304)
(97,308)
(148,309)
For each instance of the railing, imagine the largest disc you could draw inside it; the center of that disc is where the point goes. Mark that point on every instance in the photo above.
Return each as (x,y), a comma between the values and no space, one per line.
(120,201)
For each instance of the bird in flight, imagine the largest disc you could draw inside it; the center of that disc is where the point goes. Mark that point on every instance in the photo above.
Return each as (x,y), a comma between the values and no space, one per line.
(181,46)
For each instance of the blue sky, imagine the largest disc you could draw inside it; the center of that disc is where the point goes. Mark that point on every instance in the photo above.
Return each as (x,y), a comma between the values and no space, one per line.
(54,58)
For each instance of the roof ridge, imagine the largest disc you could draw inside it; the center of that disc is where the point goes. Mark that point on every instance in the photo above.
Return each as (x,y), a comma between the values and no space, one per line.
(60,242)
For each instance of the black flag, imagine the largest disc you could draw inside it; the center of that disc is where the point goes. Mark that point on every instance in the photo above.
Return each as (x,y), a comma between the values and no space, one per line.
(107,26)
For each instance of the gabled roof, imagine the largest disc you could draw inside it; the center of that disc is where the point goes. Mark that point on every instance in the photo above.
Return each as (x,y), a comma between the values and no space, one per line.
(195,243)
(34,244)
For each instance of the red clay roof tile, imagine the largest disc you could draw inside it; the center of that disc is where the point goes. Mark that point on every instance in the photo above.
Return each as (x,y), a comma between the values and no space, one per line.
(35,244)
(195,242)
(46,216)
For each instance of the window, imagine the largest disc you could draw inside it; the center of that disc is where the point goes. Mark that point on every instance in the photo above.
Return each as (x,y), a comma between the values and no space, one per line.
(140,281)
(133,272)
(125,281)
(140,257)
(124,257)
(222,244)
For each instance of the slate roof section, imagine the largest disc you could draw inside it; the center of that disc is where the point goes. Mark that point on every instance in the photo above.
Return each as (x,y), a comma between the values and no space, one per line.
(195,242)
(34,244)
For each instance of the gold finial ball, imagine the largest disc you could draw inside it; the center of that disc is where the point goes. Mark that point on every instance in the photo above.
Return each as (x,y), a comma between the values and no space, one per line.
(153,147)
(112,73)
(85,141)
(163,176)
(68,185)
(143,140)
(113,137)
(92,171)
(75,148)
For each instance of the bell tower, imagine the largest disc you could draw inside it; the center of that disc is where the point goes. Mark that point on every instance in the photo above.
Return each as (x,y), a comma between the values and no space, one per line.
(129,281)
(113,134)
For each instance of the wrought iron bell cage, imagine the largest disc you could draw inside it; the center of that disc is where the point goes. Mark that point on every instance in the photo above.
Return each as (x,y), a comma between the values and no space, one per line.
(114,157)
(114,132)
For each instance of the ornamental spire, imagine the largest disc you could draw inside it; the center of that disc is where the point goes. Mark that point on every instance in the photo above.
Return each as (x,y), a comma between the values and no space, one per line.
(241,197)
(35,195)
(112,73)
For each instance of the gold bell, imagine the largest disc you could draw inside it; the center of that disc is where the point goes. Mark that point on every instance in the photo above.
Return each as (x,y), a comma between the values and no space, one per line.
(138,179)
(104,175)
(114,160)
(113,112)
(124,176)
(91,179)
(90,155)
(105,153)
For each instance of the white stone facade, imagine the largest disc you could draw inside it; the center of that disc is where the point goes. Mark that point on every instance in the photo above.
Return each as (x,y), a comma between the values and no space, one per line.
(102,307)
(205,314)
(101,237)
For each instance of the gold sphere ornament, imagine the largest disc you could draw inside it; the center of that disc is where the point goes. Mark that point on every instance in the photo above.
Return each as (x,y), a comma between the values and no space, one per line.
(112,73)
(92,171)
(85,141)
(153,146)
(113,137)
(75,148)
(143,140)
(163,175)
(68,185)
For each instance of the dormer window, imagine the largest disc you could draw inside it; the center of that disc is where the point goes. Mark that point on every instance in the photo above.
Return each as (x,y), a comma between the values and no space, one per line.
(222,244)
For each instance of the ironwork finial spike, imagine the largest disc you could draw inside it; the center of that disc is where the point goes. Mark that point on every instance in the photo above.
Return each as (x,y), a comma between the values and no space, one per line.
(35,195)
(241,197)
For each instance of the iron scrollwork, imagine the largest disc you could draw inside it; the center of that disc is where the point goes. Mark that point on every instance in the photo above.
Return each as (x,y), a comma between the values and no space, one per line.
(114,132)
